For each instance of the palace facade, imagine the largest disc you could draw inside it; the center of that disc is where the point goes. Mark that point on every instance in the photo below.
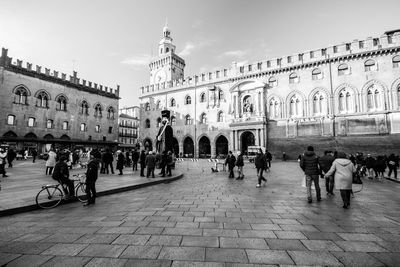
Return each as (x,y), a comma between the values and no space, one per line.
(344,97)
(40,109)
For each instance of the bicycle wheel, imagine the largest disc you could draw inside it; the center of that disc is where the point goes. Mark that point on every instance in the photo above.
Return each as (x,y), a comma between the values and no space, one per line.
(49,197)
(80,191)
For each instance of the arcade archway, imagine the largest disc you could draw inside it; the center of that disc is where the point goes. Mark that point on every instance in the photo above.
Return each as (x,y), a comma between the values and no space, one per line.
(204,147)
(247,139)
(188,147)
(221,145)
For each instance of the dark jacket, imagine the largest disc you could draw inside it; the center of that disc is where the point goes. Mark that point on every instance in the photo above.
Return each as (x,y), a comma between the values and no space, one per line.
(150,161)
(239,161)
(230,161)
(143,158)
(120,161)
(92,170)
(380,164)
(325,162)
(11,155)
(108,157)
(392,161)
(61,172)
(309,163)
(135,156)
(369,162)
(260,161)
(268,156)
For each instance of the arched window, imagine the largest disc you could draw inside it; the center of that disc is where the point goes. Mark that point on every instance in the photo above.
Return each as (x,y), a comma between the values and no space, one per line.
(220,116)
(49,124)
(11,120)
(158,105)
(188,100)
(188,120)
(396,61)
(97,129)
(295,109)
(220,95)
(42,100)
(158,123)
(84,108)
(173,120)
(21,95)
(172,102)
(110,113)
(343,69)
(346,101)
(202,97)
(370,65)
(203,118)
(147,106)
(147,123)
(317,74)
(272,82)
(293,78)
(373,99)
(274,111)
(319,104)
(98,111)
(83,127)
(61,103)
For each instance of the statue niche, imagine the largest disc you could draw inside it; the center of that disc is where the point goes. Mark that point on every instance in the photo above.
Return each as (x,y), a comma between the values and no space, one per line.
(247,105)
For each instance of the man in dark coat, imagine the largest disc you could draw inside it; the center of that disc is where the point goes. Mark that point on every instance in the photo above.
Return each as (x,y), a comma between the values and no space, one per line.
(325,162)
(150,164)
(61,174)
(120,162)
(135,159)
(260,163)
(10,157)
(268,158)
(309,163)
(107,160)
(34,154)
(142,162)
(230,161)
(393,164)
(240,164)
(370,164)
(91,177)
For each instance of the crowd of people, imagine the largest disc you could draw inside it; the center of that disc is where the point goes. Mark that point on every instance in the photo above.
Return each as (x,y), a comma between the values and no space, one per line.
(339,170)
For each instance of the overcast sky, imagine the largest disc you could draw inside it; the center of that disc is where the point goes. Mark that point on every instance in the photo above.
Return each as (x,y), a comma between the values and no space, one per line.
(111,41)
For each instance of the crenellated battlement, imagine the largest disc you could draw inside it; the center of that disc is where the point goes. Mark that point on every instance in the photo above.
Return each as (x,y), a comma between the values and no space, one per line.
(390,39)
(55,76)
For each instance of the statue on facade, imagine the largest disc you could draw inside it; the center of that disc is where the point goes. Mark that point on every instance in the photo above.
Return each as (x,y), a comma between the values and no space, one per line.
(247,106)
(164,139)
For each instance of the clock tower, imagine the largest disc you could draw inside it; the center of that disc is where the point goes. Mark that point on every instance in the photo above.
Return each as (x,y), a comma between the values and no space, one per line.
(168,66)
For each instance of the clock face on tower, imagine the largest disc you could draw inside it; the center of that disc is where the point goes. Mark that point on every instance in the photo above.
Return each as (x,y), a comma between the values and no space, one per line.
(160,76)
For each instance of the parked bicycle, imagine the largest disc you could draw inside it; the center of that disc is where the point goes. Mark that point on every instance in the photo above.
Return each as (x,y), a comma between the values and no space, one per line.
(51,195)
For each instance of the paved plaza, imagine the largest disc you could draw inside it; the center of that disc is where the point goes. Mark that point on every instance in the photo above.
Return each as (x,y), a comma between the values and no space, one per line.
(206,219)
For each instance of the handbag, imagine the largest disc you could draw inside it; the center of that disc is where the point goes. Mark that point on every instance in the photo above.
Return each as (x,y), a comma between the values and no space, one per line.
(356,178)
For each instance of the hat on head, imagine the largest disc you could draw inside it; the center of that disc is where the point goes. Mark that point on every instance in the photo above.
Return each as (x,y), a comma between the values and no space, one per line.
(165,113)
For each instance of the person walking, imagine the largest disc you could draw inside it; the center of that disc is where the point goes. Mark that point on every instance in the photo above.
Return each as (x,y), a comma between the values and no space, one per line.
(342,169)
(268,159)
(142,162)
(369,164)
(325,162)
(240,164)
(120,162)
(91,177)
(3,156)
(34,154)
(50,162)
(380,167)
(135,159)
(260,163)
(150,164)
(61,174)
(108,161)
(11,155)
(309,164)
(393,164)
(230,161)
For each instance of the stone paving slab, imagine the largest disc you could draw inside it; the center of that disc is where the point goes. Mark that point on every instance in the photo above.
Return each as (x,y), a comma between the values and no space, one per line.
(269,257)
(357,259)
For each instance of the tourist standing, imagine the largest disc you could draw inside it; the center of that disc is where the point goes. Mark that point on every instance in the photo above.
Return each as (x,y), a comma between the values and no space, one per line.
(150,164)
(240,164)
(142,162)
(260,163)
(268,159)
(108,161)
(393,164)
(343,169)
(10,157)
(34,154)
(91,177)
(369,164)
(120,162)
(309,164)
(230,161)
(325,162)
(380,167)
(51,162)
(135,159)
(3,156)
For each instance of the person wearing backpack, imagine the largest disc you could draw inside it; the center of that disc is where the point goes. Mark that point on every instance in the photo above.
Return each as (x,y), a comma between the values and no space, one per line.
(309,163)
(61,174)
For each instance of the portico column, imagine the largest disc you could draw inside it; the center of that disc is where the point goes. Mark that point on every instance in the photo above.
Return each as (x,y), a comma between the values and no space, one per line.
(233,143)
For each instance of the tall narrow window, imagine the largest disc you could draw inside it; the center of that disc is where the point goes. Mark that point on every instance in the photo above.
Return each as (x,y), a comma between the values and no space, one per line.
(21,96)
(61,103)
(31,122)
(147,123)
(65,125)
(83,127)
(147,106)
(110,113)
(42,100)
(220,95)
(97,128)
(158,122)
(346,101)
(295,108)
(84,108)
(98,111)
(49,124)
(11,120)
(220,116)
(202,97)
(172,102)
(188,100)
(188,120)
(203,118)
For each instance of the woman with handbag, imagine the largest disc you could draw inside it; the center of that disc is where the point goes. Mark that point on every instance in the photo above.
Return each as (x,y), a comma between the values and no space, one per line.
(342,169)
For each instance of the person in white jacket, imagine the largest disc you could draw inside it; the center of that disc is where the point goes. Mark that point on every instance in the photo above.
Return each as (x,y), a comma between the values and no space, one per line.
(51,162)
(342,169)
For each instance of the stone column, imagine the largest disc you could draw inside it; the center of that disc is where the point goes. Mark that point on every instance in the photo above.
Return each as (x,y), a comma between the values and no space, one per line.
(233,143)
